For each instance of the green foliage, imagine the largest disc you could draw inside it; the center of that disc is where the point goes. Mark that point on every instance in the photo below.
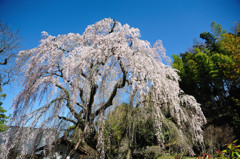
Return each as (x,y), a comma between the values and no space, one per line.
(232,150)
(152,152)
(144,131)
(211,74)
(178,64)
(3,117)
(117,129)
(116,123)
(73,133)
(210,39)
(217,30)
(144,139)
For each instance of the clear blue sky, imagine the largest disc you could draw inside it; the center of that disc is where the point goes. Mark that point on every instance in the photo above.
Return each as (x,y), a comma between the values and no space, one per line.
(175,22)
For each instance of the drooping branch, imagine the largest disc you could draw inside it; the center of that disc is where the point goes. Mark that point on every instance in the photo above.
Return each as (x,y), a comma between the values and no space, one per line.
(118,85)
(94,88)
(81,66)
(68,81)
(48,105)
(69,105)
(61,74)
(78,104)
(38,112)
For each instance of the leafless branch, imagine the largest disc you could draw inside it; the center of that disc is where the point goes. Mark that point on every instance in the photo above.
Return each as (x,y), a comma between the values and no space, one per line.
(118,85)
(9,45)
(67,119)
(69,105)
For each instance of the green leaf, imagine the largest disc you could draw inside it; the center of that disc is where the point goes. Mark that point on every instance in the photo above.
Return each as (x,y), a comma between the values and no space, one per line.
(230,146)
(224,151)
(238,155)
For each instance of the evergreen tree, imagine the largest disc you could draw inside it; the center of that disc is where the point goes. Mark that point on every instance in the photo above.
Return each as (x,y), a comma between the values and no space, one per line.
(210,72)
(3,117)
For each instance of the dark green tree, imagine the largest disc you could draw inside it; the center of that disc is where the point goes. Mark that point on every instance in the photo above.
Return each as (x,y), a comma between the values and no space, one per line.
(206,73)
(3,117)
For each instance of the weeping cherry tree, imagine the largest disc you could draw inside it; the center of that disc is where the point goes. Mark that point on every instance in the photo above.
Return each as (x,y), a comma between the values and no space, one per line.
(73,79)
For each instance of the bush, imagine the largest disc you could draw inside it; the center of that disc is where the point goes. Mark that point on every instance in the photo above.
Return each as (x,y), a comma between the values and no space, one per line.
(215,137)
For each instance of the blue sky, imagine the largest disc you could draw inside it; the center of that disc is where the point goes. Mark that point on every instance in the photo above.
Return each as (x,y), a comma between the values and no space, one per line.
(175,22)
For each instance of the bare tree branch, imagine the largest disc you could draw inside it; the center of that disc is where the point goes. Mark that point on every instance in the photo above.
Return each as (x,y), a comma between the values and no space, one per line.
(9,45)
(81,95)
(119,84)
(5,62)
(114,24)
(91,100)
(67,119)
(70,107)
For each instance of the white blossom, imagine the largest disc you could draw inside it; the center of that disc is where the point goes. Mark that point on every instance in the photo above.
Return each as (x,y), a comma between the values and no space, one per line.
(69,75)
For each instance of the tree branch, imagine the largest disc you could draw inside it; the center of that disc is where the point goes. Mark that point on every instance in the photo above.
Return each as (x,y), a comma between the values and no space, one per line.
(118,85)
(69,105)
(91,100)
(114,24)
(68,81)
(67,119)
(78,104)
(4,63)
(46,106)
(79,141)
(81,95)
(60,47)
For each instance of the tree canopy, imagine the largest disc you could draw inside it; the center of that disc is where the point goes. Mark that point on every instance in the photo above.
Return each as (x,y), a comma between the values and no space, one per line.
(73,79)
(210,72)
(3,117)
